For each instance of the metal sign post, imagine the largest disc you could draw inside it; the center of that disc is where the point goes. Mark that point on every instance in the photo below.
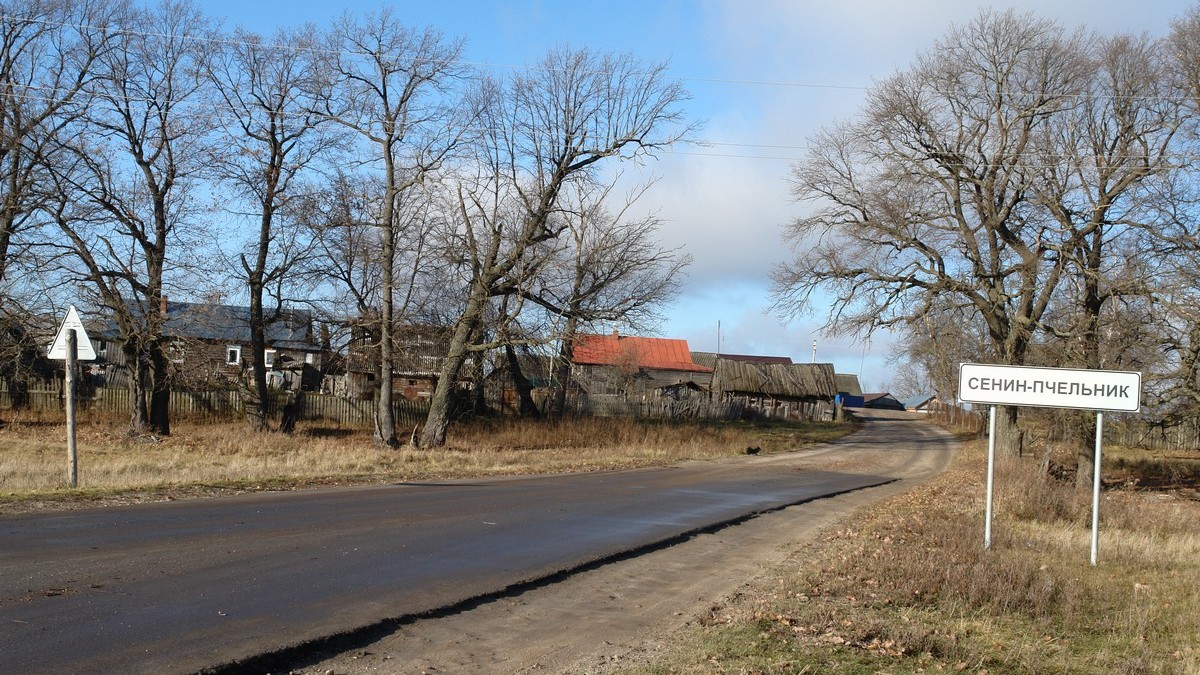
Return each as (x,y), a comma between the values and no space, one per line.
(1097,390)
(71,344)
(1096,489)
(991,472)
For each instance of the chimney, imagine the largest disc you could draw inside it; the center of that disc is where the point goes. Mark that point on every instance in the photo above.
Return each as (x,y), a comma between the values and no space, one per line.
(616,336)
(162,306)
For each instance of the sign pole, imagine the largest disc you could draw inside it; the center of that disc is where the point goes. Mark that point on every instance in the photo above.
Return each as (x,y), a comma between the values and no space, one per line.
(1096,489)
(69,385)
(1098,390)
(991,472)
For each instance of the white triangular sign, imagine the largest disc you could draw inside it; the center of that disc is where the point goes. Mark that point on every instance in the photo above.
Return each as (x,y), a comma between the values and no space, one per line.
(84,350)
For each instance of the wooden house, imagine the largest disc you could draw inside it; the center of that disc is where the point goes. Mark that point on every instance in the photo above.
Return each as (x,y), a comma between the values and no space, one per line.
(882,400)
(783,382)
(209,344)
(847,384)
(636,368)
(418,352)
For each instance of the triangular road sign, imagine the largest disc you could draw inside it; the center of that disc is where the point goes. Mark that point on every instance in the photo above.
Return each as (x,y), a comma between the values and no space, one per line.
(84,350)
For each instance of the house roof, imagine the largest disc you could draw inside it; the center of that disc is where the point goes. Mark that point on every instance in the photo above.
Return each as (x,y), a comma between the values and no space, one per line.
(710,358)
(794,380)
(882,400)
(916,402)
(847,383)
(290,329)
(632,350)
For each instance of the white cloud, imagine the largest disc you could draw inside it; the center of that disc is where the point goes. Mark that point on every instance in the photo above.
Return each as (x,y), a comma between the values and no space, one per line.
(729,212)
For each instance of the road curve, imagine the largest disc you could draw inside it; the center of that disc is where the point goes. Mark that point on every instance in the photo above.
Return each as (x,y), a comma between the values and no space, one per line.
(185,586)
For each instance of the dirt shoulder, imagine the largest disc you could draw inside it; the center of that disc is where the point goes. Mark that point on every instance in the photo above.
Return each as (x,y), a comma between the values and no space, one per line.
(619,614)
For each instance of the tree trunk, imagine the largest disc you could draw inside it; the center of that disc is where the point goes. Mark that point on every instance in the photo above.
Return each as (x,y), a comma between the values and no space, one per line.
(438,419)
(385,419)
(139,417)
(160,392)
(562,369)
(1010,440)
(525,405)
(256,405)
(1093,304)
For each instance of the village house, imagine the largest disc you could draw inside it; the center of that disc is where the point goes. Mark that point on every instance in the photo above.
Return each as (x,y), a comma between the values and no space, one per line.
(849,391)
(209,344)
(418,351)
(774,386)
(882,401)
(636,368)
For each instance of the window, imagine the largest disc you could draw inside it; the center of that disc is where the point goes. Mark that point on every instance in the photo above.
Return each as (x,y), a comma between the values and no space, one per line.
(269,358)
(308,357)
(233,355)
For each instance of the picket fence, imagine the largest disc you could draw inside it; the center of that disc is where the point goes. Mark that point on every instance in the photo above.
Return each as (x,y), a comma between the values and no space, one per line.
(616,406)
(217,405)
(223,405)
(969,421)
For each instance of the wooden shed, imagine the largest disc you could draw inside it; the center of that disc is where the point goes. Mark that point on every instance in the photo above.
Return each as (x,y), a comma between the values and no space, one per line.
(632,366)
(847,383)
(791,382)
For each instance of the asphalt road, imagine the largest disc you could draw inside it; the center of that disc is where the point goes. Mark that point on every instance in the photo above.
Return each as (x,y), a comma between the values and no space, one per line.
(185,586)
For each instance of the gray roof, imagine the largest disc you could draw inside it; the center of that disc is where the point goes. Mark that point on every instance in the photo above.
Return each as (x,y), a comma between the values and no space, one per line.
(779,380)
(847,383)
(707,359)
(290,329)
(882,400)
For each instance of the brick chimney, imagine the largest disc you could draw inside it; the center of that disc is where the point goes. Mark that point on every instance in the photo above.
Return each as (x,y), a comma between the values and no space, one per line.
(162,306)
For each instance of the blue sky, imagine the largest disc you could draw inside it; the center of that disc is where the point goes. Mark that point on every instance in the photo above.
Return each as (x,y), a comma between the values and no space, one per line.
(765,75)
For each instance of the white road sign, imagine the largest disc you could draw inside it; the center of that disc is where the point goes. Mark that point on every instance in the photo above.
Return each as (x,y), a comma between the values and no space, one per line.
(84,350)
(1050,387)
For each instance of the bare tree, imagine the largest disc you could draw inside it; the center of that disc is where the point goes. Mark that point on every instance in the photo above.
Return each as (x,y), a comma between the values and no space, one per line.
(931,349)
(1172,249)
(928,196)
(269,93)
(394,85)
(540,133)
(47,52)
(1104,157)
(122,199)
(610,267)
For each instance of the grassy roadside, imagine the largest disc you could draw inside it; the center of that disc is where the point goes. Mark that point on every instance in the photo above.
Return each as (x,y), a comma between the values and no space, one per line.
(905,587)
(201,460)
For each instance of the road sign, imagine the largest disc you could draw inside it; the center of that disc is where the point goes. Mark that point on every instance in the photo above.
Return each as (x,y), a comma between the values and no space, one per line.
(1050,387)
(1097,390)
(58,348)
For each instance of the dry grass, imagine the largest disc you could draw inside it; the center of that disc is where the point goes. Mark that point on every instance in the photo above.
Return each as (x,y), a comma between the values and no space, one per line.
(907,587)
(202,459)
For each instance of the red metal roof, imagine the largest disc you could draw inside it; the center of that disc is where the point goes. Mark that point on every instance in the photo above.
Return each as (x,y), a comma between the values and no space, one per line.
(631,350)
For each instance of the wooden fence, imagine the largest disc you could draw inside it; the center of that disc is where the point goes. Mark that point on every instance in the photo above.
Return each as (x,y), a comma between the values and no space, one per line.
(1059,426)
(224,405)
(616,406)
(1148,436)
(949,415)
(217,405)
